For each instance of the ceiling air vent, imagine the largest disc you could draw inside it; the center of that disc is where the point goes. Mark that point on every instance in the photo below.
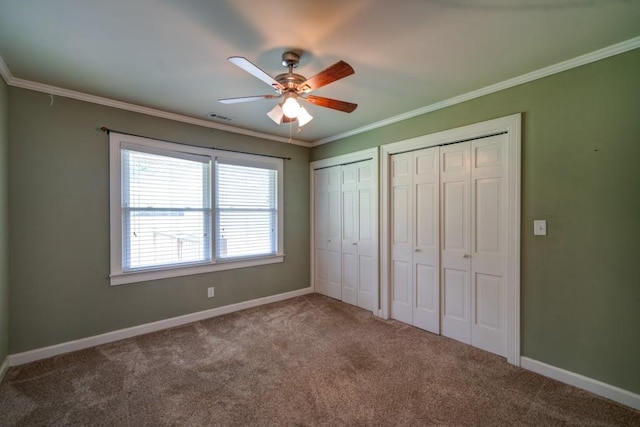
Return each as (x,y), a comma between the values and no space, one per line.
(221,117)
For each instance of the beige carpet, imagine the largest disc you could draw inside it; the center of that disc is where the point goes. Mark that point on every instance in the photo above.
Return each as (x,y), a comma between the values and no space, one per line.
(304,362)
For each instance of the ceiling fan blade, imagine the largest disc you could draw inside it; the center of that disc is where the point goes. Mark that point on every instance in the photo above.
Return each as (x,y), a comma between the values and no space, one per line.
(247,99)
(253,69)
(335,72)
(347,107)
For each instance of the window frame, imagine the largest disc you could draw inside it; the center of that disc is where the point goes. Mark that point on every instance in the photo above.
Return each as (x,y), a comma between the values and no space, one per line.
(118,142)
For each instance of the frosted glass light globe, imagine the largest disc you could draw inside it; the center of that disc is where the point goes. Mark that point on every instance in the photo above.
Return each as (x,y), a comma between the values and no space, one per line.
(304,117)
(291,108)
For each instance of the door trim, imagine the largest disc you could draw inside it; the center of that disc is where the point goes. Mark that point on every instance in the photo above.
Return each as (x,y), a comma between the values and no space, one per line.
(357,156)
(512,126)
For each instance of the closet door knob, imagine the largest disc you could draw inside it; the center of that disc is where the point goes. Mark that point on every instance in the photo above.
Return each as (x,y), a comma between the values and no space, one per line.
(354,244)
(417,250)
(466,256)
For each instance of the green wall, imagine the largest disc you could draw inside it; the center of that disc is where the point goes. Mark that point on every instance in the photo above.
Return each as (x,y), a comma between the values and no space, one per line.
(4,225)
(580,153)
(580,287)
(59,210)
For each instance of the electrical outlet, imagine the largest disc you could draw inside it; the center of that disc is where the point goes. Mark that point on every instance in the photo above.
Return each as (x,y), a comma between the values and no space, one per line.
(210,292)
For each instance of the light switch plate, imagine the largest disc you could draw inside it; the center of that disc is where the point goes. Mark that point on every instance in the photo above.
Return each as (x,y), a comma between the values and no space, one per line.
(539,227)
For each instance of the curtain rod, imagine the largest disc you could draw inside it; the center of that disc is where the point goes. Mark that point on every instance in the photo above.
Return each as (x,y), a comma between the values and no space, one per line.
(108,131)
(345,164)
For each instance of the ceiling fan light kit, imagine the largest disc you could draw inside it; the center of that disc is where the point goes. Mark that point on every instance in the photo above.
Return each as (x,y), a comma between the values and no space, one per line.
(277,115)
(290,107)
(293,87)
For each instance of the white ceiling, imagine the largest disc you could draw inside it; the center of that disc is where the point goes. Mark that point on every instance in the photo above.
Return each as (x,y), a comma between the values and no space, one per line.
(171,55)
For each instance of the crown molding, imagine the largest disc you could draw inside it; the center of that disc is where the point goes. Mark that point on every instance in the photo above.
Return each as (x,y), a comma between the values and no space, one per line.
(578,61)
(58,91)
(4,71)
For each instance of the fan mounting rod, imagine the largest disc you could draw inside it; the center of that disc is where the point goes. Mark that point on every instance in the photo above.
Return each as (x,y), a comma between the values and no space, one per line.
(290,80)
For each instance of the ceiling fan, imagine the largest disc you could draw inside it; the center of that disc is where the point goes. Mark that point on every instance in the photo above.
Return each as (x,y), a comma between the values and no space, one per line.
(293,87)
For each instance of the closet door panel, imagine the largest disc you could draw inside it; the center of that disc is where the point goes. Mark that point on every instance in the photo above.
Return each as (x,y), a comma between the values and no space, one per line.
(426,253)
(334,240)
(321,269)
(487,296)
(368,281)
(321,236)
(401,298)
(402,247)
(349,234)
(401,220)
(489,204)
(456,247)
(427,292)
(350,273)
(367,220)
(456,307)
(455,225)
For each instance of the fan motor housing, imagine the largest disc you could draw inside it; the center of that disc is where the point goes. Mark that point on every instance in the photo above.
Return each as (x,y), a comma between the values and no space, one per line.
(290,80)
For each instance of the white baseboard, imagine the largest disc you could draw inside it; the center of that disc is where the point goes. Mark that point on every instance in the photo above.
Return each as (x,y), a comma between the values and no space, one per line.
(54,350)
(4,368)
(589,384)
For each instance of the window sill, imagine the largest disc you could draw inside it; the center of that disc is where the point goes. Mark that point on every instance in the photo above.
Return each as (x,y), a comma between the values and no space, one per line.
(144,276)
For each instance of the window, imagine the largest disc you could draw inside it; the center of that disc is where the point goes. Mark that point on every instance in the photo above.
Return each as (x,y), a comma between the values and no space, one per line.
(166,209)
(178,210)
(246,210)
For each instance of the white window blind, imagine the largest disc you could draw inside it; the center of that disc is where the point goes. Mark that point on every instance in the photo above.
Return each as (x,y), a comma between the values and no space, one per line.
(166,209)
(246,209)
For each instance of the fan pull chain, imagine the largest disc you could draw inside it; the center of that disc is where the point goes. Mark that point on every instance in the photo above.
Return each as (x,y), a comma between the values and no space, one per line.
(290,132)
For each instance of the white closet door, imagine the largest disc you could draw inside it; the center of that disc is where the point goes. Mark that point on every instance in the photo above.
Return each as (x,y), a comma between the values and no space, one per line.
(359,247)
(349,193)
(367,243)
(426,254)
(488,240)
(327,237)
(455,175)
(415,238)
(448,240)
(401,227)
